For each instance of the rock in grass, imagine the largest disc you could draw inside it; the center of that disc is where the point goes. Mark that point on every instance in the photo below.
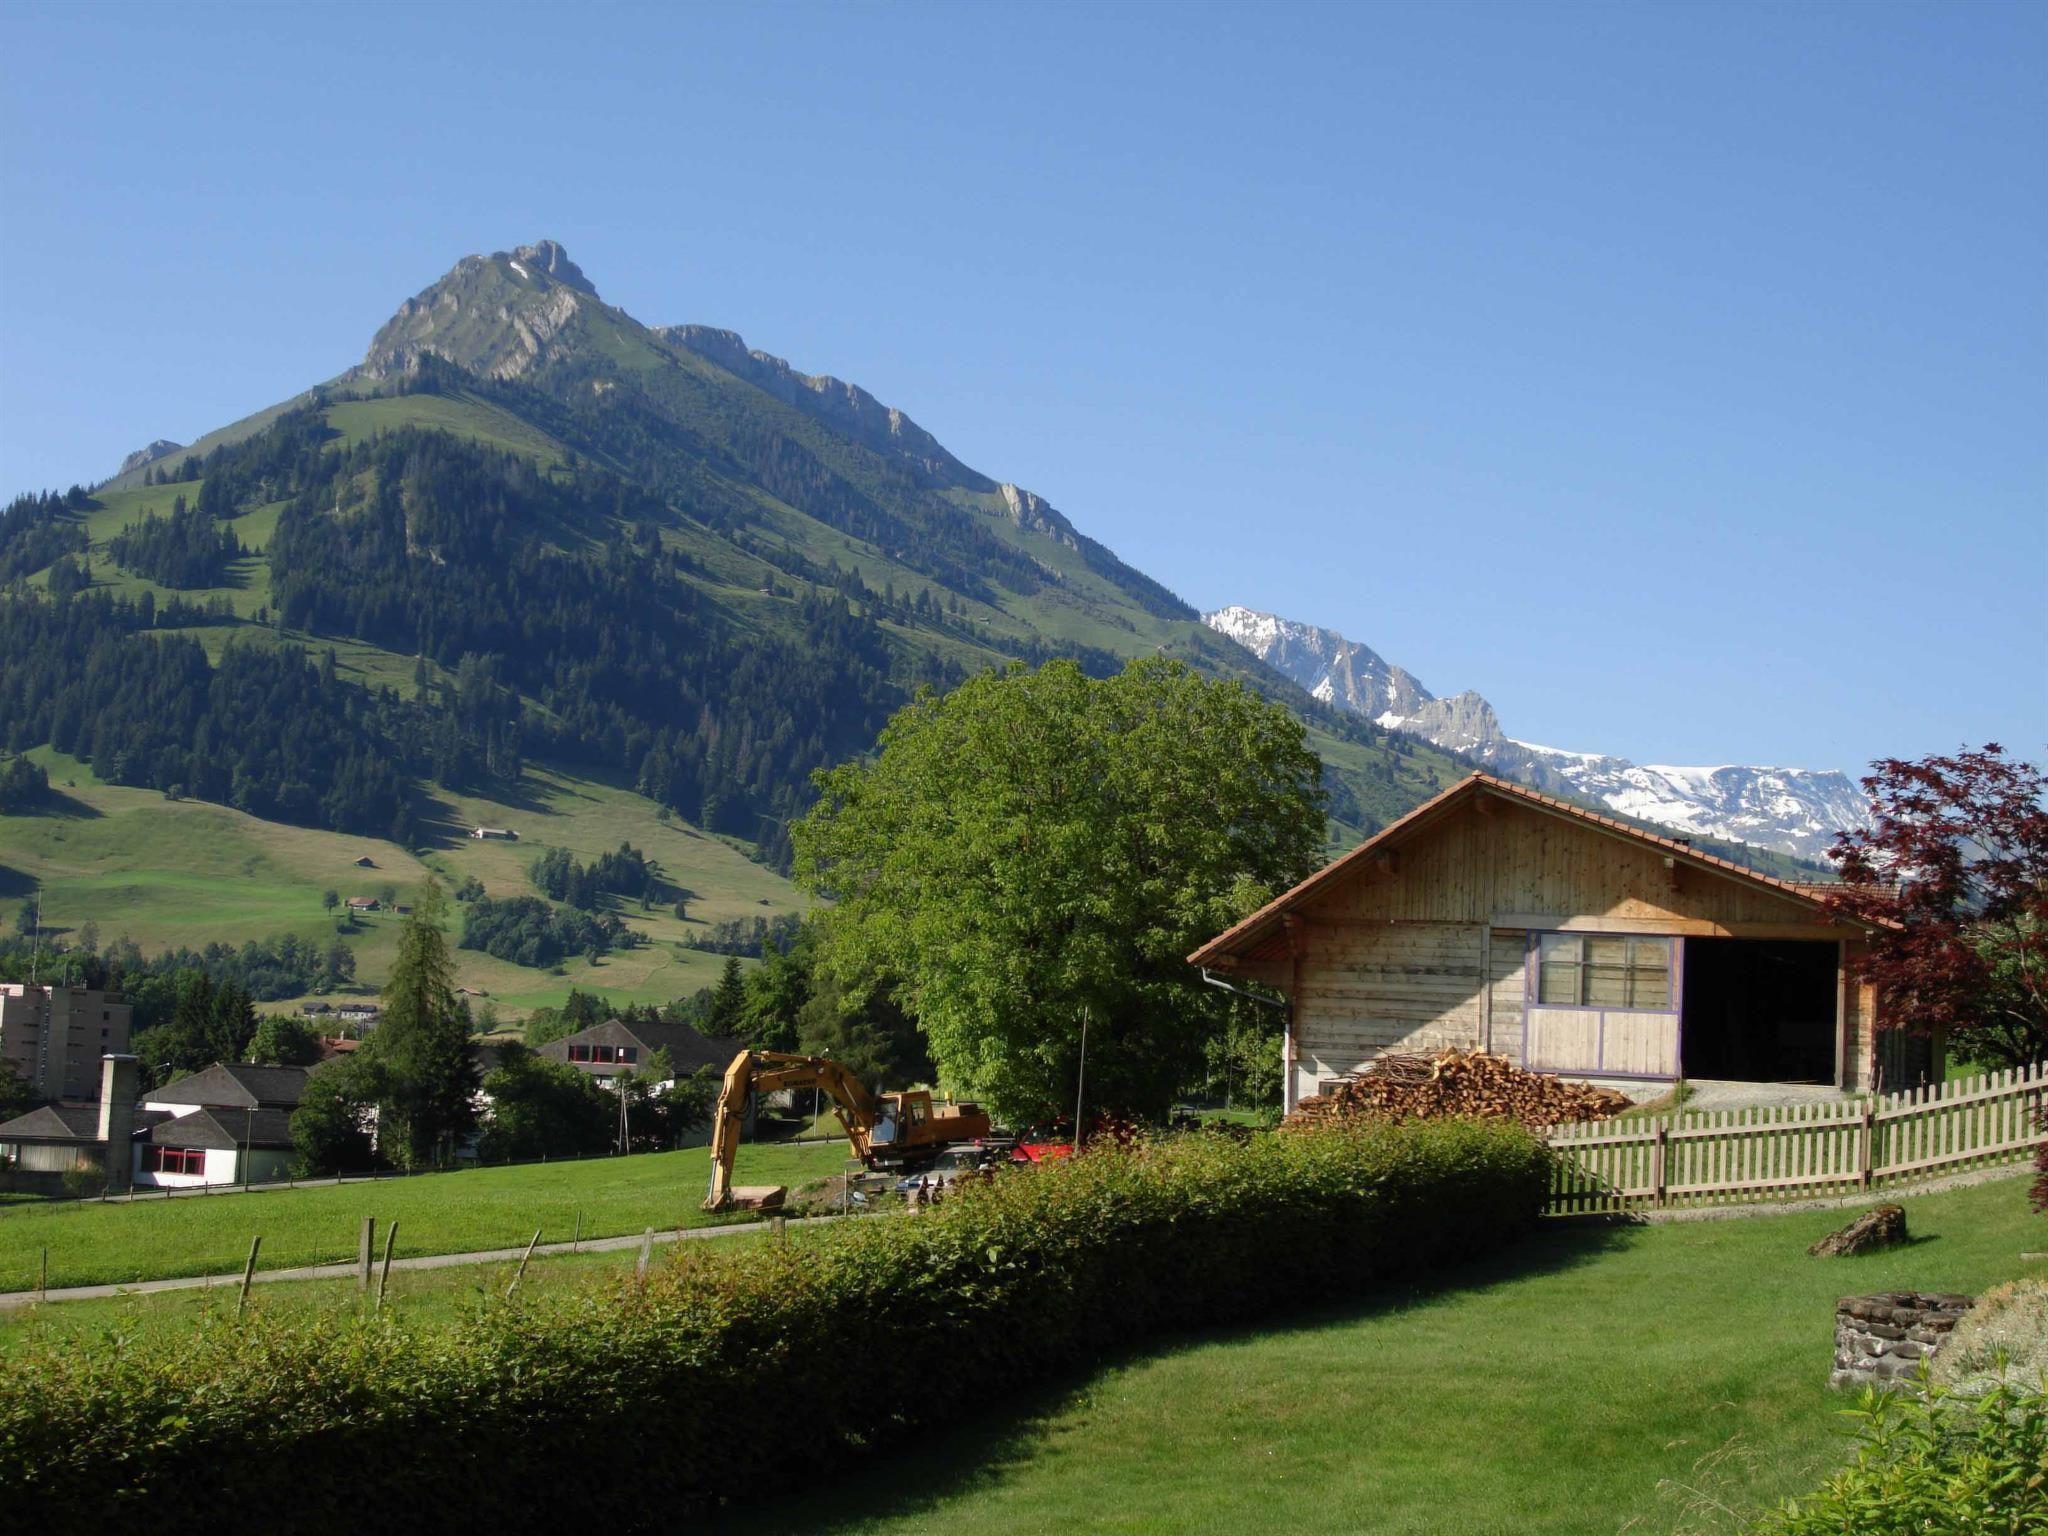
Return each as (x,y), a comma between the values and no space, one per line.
(1872,1230)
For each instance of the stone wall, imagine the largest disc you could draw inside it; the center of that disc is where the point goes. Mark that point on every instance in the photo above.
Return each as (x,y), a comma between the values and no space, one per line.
(1881,1340)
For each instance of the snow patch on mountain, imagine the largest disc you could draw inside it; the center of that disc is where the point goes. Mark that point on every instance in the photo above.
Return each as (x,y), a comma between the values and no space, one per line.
(1793,810)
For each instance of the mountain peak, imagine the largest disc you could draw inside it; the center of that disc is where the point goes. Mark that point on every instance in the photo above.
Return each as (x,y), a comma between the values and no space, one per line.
(1333,669)
(547,256)
(493,315)
(162,448)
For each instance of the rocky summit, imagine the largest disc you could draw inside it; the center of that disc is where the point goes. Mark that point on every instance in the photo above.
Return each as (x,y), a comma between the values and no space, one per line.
(162,448)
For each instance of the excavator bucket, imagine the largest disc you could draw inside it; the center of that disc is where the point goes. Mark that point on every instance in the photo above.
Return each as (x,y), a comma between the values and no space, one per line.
(758,1197)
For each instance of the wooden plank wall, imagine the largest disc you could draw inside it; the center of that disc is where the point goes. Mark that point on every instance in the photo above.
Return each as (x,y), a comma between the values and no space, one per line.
(1368,988)
(1515,858)
(1859,1001)
(1510,983)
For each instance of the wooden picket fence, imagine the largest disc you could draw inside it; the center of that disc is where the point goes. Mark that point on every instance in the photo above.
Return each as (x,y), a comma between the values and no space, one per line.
(1797,1151)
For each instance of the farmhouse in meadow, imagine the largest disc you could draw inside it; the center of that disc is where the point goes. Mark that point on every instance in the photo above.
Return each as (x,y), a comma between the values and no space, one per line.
(616,1048)
(1496,918)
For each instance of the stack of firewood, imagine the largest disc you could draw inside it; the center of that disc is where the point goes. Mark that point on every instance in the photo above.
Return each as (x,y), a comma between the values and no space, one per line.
(1400,1087)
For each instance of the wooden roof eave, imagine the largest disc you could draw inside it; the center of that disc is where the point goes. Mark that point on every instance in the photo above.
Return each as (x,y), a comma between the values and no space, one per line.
(1244,940)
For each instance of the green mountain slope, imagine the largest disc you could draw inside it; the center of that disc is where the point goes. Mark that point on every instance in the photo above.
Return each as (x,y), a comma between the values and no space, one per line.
(528,529)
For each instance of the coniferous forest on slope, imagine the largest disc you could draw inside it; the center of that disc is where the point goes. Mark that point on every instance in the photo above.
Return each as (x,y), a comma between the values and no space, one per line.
(551,609)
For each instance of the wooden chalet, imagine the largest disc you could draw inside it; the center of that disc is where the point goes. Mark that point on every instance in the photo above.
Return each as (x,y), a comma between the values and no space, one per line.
(1493,917)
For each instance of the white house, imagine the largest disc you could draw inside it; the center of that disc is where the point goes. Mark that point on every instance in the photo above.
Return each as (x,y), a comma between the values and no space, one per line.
(214,1146)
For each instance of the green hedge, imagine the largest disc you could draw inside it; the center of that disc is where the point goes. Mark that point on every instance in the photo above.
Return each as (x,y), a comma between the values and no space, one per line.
(740,1369)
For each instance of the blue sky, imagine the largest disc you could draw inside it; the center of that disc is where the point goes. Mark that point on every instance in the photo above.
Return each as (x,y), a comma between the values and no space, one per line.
(1673,375)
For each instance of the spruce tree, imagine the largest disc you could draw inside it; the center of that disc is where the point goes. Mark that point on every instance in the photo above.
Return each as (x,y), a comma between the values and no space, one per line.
(233,1024)
(421,1044)
(728,1001)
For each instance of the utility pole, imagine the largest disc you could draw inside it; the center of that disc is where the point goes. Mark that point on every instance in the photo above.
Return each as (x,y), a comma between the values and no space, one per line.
(1081,1078)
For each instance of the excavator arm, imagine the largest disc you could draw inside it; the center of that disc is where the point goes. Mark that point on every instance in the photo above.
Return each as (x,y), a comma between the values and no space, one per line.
(755,1072)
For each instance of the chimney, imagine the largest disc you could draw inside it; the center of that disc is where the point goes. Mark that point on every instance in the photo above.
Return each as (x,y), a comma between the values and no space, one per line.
(117,1119)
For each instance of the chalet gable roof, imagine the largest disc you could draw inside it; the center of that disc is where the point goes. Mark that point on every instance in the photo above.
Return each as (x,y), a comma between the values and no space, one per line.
(235,1085)
(224,1131)
(1261,924)
(71,1122)
(54,1122)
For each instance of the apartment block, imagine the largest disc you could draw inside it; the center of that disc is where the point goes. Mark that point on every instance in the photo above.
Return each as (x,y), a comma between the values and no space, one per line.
(54,1037)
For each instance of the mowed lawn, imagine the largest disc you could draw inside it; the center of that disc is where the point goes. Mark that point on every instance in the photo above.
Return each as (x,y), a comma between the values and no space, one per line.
(96,1243)
(1547,1392)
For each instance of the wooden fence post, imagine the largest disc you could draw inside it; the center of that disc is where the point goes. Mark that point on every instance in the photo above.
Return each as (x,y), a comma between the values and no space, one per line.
(248,1274)
(1865,1129)
(384,1279)
(1658,1163)
(646,1252)
(520,1273)
(366,1252)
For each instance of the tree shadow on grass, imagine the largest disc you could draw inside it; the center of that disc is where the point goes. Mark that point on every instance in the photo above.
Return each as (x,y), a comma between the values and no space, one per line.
(57,805)
(441,826)
(951,1461)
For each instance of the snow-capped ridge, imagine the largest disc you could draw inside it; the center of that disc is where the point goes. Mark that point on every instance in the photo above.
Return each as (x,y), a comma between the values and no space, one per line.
(1792,810)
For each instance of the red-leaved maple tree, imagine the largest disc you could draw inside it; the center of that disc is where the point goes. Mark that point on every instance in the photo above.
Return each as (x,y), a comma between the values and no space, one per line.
(1953,874)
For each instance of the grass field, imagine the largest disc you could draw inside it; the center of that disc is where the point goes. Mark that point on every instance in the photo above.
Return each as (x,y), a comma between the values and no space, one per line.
(167,873)
(1546,1392)
(466,1211)
(462,415)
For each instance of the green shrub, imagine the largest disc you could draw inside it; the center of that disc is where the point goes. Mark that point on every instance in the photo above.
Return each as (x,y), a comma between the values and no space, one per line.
(745,1367)
(1933,1461)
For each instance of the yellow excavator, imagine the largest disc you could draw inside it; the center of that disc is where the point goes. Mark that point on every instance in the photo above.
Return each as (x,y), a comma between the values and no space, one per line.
(888,1130)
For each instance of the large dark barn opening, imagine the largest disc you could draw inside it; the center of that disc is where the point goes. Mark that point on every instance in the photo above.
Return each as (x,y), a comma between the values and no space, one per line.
(1759,1010)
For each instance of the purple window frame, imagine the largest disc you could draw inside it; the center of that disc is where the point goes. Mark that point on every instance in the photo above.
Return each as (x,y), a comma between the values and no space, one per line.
(1532,988)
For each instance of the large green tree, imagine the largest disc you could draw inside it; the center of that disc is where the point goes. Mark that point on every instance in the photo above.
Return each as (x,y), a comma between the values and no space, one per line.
(543,1108)
(1037,845)
(282,1041)
(421,1044)
(334,1124)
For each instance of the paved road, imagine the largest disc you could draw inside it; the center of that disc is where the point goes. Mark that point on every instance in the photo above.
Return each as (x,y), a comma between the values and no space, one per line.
(11,1299)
